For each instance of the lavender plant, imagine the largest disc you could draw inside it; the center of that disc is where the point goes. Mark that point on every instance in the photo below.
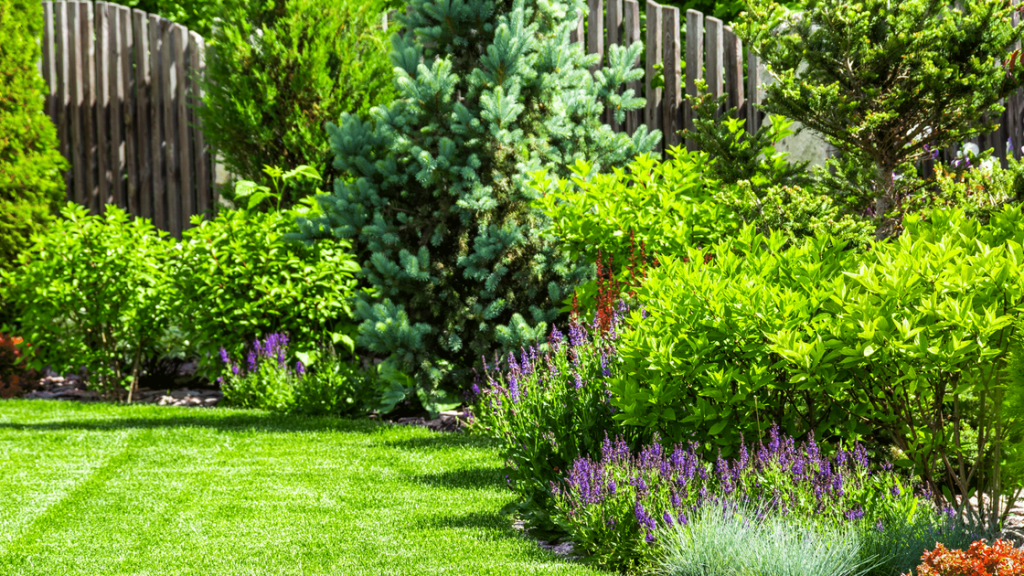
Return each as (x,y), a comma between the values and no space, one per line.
(268,380)
(613,507)
(550,407)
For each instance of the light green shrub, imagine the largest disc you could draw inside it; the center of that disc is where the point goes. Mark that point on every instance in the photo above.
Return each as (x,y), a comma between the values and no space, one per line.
(93,292)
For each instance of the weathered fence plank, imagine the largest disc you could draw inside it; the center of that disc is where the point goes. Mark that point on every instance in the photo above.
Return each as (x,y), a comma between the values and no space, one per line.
(172,172)
(78,149)
(126,44)
(595,31)
(631,29)
(614,32)
(204,198)
(653,111)
(733,71)
(63,101)
(184,140)
(672,107)
(115,114)
(156,127)
(87,43)
(694,66)
(103,72)
(142,121)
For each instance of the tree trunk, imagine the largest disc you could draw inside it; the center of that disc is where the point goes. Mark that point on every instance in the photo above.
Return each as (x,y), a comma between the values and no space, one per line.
(886,199)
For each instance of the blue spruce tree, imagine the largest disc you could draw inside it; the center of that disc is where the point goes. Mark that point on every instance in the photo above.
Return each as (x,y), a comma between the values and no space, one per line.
(436,201)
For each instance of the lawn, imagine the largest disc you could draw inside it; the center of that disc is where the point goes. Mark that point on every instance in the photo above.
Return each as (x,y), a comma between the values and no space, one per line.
(103,489)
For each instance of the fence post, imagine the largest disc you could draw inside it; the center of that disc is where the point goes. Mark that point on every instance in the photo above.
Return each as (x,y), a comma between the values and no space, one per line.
(156,126)
(653,111)
(103,139)
(127,111)
(631,25)
(197,63)
(595,32)
(694,66)
(670,46)
(733,71)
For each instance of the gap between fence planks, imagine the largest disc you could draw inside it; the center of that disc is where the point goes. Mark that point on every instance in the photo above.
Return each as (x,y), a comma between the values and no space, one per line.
(121,89)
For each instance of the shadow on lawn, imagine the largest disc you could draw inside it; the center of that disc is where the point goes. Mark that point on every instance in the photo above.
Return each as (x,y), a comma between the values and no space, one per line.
(465,479)
(205,419)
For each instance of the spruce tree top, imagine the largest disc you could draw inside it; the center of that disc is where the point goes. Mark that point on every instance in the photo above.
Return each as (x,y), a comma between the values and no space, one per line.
(436,200)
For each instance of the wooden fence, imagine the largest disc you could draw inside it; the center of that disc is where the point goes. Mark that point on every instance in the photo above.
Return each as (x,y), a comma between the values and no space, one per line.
(122,90)
(121,86)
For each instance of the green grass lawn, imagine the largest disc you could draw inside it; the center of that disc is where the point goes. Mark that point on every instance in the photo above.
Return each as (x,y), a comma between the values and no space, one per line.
(103,490)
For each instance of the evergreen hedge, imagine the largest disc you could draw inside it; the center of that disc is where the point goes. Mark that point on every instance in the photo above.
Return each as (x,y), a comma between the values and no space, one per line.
(31,184)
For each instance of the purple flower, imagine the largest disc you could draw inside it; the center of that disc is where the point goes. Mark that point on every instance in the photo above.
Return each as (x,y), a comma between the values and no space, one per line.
(300,368)
(578,380)
(612,487)
(577,335)
(668,519)
(854,514)
(252,359)
(895,491)
(513,385)
(224,356)
(644,519)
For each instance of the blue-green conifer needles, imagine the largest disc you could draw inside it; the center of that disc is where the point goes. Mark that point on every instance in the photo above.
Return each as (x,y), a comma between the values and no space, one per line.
(436,201)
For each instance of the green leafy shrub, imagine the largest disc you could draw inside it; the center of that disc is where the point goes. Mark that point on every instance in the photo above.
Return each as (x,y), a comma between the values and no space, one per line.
(237,279)
(670,207)
(333,386)
(31,181)
(278,71)
(93,292)
(437,205)
(905,344)
(920,73)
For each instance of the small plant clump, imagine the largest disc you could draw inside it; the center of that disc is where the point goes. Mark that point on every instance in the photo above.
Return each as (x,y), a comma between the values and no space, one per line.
(269,380)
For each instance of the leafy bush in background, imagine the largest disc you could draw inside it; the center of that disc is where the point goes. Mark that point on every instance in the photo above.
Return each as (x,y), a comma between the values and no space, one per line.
(921,74)
(278,71)
(31,168)
(438,207)
(237,279)
(93,293)
(906,344)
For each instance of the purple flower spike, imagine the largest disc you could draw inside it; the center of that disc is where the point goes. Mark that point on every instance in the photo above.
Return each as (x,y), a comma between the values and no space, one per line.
(252,360)
(224,356)
(300,368)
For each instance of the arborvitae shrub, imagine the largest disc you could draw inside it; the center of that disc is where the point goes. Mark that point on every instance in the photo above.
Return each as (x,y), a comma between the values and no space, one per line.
(279,70)
(31,184)
(436,195)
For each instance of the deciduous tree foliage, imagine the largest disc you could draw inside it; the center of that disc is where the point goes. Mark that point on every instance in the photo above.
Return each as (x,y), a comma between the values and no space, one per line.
(887,82)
